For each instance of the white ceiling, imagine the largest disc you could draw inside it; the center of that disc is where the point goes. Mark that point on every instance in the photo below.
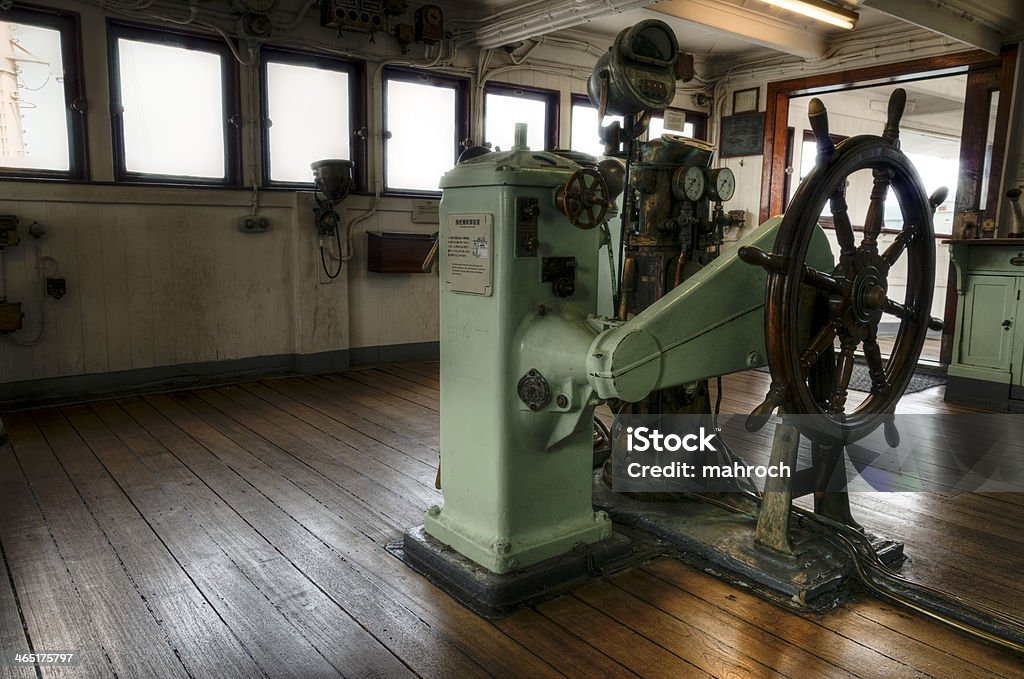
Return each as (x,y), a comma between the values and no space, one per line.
(716,28)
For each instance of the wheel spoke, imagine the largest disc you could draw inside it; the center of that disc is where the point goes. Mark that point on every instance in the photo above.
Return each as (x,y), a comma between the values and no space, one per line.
(876,210)
(841,222)
(820,280)
(876,368)
(822,341)
(898,247)
(844,371)
(898,310)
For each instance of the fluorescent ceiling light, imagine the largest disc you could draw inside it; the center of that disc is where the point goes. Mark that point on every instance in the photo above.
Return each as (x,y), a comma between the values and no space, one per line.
(830,14)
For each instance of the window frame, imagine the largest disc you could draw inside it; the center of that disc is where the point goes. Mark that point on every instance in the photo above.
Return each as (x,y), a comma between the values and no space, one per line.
(68,24)
(550,98)
(229,92)
(411,75)
(356,71)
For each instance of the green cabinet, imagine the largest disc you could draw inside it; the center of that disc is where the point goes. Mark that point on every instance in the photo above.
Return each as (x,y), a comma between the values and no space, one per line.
(990,308)
(987,366)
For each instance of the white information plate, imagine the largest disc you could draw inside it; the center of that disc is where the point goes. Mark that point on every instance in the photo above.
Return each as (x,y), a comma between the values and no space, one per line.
(469,253)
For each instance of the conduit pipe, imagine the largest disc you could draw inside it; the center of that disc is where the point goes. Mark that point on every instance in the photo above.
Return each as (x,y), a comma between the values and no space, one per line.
(558,16)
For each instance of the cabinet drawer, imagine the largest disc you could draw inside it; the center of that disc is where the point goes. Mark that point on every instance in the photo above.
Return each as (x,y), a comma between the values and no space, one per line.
(1009,260)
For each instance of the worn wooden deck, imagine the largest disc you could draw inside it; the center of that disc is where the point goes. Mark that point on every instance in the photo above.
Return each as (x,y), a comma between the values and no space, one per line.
(239,532)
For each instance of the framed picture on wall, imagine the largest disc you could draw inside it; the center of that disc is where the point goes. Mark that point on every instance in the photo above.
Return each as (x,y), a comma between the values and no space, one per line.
(741,135)
(746,101)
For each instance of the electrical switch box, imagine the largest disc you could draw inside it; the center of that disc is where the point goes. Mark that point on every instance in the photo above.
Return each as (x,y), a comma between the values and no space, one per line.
(10,317)
(8,231)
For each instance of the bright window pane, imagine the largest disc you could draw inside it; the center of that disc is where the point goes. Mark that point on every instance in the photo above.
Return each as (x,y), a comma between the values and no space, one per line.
(173,110)
(937,159)
(33,116)
(421,120)
(657,128)
(808,153)
(502,112)
(583,136)
(302,133)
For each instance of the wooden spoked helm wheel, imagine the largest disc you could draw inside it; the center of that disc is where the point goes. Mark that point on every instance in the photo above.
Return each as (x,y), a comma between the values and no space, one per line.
(854,297)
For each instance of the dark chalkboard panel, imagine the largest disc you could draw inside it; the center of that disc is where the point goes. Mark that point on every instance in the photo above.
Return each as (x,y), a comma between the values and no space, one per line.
(742,135)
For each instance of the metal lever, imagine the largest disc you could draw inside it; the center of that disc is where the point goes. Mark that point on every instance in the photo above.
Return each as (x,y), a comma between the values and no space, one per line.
(428,261)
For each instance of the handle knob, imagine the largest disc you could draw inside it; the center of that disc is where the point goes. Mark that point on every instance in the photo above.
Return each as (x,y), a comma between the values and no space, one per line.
(818,117)
(897,103)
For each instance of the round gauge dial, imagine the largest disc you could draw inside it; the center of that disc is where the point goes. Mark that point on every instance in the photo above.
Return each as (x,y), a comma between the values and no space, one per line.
(722,184)
(689,183)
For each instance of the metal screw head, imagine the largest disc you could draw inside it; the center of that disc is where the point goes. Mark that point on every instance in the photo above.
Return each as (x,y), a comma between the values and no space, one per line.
(562,401)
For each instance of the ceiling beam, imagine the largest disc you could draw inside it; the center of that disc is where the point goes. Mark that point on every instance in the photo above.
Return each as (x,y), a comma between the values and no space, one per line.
(943,21)
(755,27)
(1011,10)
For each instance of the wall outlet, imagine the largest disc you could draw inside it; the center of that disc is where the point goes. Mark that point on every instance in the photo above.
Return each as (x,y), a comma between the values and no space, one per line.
(253,224)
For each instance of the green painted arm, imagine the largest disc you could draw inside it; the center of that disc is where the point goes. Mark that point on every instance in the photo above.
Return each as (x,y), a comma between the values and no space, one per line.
(712,324)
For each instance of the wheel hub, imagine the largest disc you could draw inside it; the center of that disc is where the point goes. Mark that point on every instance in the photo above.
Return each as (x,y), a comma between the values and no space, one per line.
(869,291)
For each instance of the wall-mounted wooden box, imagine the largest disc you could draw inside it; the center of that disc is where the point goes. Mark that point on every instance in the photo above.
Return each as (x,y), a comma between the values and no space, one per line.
(396,252)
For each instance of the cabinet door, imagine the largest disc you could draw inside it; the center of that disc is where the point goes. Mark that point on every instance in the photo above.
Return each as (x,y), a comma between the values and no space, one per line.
(989,316)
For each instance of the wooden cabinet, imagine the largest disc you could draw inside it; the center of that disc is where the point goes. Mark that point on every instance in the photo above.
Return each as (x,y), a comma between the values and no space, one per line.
(988,351)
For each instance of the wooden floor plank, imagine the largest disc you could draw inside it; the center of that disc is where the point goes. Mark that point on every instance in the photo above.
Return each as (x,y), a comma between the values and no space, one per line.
(565,652)
(405,411)
(634,651)
(200,637)
(696,641)
(837,637)
(475,637)
(259,512)
(990,660)
(393,389)
(336,637)
(320,450)
(354,396)
(321,474)
(413,641)
(833,648)
(411,382)
(322,401)
(230,565)
(123,619)
(748,639)
(343,433)
(57,619)
(12,630)
(403,372)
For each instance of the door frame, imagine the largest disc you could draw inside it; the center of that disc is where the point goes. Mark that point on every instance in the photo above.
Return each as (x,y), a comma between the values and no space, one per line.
(776,120)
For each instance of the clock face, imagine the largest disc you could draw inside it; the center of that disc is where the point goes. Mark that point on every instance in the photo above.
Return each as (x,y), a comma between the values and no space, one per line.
(723,184)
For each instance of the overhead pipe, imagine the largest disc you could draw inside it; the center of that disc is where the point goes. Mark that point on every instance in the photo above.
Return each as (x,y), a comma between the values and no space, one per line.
(561,15)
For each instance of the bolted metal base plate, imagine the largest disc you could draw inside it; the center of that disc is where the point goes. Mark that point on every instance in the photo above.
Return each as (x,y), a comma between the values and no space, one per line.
(721,543)
(493,596)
